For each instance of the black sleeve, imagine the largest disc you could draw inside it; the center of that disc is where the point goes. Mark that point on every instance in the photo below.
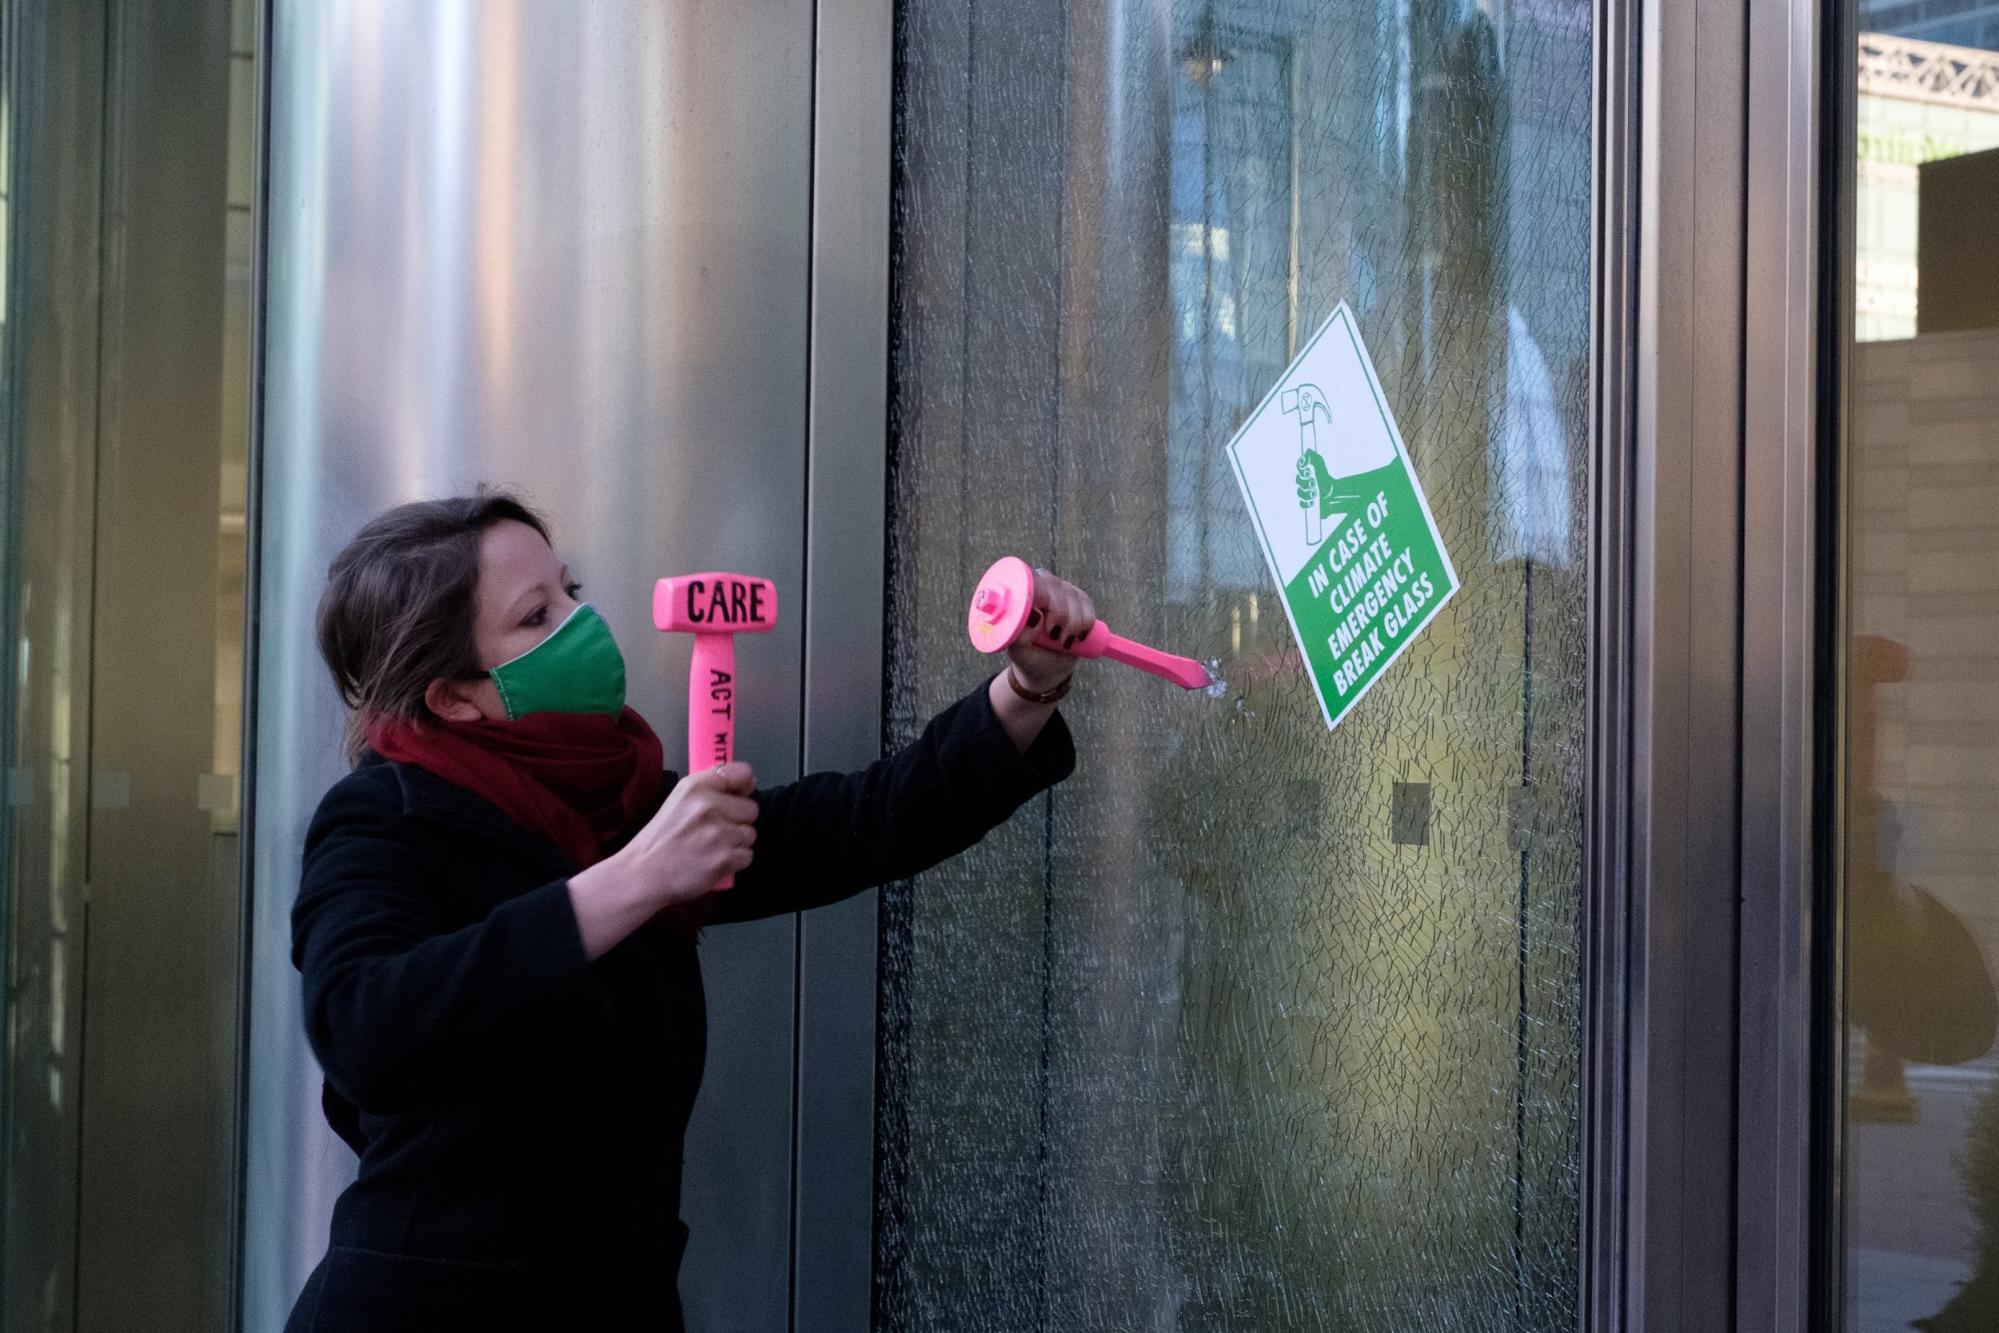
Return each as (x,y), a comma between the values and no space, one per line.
(394,1002)
(830,835)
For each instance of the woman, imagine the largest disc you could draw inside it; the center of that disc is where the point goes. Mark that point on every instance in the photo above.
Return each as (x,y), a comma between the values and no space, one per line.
(496,921)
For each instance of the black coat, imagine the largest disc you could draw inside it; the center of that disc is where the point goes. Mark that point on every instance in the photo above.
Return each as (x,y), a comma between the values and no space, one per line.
(519,1110)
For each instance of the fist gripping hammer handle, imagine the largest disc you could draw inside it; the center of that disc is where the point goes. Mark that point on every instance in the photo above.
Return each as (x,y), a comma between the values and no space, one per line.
(1005,599)
(714,608)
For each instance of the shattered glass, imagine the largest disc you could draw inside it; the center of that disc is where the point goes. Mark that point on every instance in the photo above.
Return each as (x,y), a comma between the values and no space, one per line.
(1249,1025)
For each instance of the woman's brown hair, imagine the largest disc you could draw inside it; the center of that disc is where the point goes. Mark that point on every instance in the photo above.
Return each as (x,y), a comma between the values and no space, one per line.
(398,608)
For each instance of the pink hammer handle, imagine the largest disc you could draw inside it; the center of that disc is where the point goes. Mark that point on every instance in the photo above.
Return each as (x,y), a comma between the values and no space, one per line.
(1100,642)
(711,708)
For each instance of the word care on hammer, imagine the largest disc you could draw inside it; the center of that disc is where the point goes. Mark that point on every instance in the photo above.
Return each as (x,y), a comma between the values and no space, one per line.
(714,608)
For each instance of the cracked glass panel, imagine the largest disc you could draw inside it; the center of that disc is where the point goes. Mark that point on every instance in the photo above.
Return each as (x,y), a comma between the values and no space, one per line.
(1249,1025)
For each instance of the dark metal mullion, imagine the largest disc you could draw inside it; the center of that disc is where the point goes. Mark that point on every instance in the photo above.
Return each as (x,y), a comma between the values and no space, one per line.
(890,1147)
(809,390)
(1837,105)
(1782,583)
(108,165)
(1608,1280)
(252,568)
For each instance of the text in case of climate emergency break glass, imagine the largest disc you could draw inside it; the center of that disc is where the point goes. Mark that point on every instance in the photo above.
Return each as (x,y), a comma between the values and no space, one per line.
(1342,519)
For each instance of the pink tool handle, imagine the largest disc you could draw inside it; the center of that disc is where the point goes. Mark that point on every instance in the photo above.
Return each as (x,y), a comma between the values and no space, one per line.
(1003,603)
(1101,642)
(711,708)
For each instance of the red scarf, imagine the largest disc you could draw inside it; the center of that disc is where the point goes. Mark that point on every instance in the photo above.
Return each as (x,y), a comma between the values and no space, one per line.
(584,781)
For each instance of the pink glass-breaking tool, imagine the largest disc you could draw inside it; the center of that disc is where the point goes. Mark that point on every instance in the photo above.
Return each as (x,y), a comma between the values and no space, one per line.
(1005,599)
(714,608)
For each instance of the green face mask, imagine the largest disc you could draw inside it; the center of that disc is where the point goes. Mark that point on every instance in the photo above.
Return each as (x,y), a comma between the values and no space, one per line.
(577,669)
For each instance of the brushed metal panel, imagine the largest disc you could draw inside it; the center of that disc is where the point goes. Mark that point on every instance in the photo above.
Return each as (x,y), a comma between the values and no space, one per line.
(847,533)
(1686,581)
(563,248)
(1783,599)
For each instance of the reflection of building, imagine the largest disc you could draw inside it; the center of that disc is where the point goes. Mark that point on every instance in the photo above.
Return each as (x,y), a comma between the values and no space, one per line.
(1928,131)
(1234,249)
(1961,22)
(1919,101)
(1923,832)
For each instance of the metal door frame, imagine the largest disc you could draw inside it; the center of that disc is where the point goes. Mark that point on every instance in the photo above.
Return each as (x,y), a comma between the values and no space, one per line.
(1707,271)
(1710,931)
(833,1141)
(1707,933)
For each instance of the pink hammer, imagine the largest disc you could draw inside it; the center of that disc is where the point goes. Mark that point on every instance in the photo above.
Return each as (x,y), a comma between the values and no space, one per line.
(1005,599)
(714,608)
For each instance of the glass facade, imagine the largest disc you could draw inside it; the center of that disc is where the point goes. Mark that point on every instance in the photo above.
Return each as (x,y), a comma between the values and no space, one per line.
(1921,835)
(1919,102)
(1249,1025)
(129,171)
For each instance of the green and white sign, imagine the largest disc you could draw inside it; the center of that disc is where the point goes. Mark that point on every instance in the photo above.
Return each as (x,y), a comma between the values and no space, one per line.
(1343,520)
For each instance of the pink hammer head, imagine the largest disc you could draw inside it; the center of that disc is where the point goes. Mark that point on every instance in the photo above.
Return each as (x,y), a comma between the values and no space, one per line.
(1001,604)
(715,604)
(714,608)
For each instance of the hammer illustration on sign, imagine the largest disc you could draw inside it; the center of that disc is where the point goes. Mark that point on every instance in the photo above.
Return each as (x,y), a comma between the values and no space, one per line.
(1308,400)
(714,608)
(1005,600)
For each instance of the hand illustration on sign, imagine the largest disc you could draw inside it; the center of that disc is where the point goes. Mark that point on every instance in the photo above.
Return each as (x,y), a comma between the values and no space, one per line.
(1319,488)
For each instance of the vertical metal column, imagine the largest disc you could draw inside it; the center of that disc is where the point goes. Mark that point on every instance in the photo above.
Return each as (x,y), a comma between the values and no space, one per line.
(833,1192)
(566,248)
(1785,591)
(1609,939)
(1663,1048)
(1704,933)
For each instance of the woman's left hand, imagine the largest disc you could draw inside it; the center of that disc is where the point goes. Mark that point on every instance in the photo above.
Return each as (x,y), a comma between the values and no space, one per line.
(1066,613)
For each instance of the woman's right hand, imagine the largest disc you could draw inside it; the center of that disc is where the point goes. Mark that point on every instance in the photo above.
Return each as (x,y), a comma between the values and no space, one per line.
(705,831)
